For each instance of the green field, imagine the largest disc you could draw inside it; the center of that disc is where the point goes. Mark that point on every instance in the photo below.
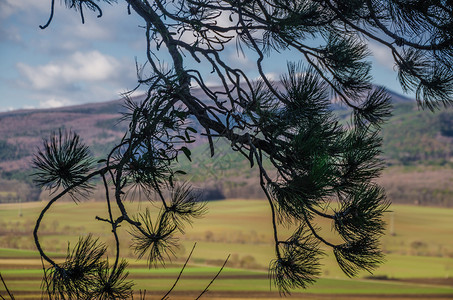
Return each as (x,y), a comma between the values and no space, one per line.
(419,252)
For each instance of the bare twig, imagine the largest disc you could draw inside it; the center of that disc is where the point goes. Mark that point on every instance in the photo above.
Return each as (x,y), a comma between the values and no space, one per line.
(45,280)
(6,288)
(180,273)
(213,279)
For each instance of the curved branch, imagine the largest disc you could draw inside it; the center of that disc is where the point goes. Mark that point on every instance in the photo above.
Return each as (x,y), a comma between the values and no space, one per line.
(52,8)
(51,202)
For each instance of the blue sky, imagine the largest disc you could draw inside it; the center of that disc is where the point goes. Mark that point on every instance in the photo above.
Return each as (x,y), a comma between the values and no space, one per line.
(71,63)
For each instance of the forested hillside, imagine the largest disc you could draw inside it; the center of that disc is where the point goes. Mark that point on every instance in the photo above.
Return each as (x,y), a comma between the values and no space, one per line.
(417,147)
(414,136)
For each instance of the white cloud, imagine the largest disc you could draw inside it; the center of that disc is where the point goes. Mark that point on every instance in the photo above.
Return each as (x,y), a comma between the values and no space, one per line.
(77,69)
(383,55)
(69,60)
(9,108)
(79,78)
(53,103)
(240,59)
(93,66)
(208,83)
(10,34)
(96,30)
(10,7)
(272,76)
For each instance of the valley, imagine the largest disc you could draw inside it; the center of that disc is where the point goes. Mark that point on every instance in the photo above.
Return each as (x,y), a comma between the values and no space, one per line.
(417,244)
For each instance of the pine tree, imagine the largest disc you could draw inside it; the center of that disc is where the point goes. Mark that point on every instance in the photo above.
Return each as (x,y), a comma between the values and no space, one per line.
(321,168)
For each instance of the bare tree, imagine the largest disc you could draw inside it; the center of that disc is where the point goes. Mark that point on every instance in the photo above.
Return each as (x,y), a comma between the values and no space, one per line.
(315,160)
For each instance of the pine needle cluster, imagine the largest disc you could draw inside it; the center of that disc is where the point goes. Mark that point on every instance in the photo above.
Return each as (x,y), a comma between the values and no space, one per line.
(84,275)
(63,163)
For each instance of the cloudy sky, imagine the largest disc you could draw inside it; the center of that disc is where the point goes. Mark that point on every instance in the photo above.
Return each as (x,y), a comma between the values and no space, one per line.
(72,63)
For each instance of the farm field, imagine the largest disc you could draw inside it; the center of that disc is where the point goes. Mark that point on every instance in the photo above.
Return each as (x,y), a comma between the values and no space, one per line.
(418,246)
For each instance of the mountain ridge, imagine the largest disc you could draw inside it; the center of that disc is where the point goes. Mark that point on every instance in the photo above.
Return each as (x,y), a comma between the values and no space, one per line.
(411,137)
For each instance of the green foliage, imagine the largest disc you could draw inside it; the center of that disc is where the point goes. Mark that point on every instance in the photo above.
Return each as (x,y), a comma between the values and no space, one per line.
(109,124)
(10,152)
(416,137)
(83,275)
(446,123)
(18,186)
(358,254)
(22,175)
(74,278)
(156,241)
(298,265)
(112,283)
(361,214)
(101,150)
(184,206)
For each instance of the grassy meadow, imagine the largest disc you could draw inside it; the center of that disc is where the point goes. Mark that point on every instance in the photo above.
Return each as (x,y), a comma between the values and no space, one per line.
(418,247)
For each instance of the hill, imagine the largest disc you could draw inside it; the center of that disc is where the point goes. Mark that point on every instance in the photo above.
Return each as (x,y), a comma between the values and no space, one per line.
(413,140)
(23,130)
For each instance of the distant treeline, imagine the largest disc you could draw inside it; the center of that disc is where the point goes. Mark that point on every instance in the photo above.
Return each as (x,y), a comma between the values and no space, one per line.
(11,152)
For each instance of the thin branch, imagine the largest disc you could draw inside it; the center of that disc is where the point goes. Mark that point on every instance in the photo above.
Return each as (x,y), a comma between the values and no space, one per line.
(263,175)
(46,281)
(6,287)
(180,273)
(51,202)
(315,233)
(114,224)
(213,279)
